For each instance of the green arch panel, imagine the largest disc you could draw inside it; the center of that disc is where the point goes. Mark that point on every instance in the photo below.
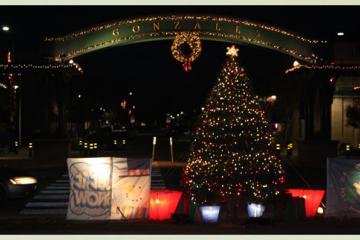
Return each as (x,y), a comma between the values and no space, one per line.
(165,27)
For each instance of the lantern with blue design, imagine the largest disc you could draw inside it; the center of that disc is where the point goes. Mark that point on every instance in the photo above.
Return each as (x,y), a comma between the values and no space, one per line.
(255,210)
(210,214)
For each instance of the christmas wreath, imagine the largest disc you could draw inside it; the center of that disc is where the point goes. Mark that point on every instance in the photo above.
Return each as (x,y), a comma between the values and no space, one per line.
(191,39)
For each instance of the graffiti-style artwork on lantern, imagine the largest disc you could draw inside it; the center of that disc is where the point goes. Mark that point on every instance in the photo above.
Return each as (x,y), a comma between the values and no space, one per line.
(90,185)
(108,188)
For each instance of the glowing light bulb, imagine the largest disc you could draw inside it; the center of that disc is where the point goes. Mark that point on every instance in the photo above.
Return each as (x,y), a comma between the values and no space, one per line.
(6,28)
(320,210)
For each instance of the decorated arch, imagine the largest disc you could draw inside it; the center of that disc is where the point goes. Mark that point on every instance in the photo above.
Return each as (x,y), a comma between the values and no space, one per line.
(166,27)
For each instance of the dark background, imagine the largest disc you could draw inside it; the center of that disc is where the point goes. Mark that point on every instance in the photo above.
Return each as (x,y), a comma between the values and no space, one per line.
(148,69)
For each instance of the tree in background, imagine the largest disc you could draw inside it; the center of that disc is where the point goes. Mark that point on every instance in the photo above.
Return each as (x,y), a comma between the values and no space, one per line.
(232,153)
(353,116)
(353,120)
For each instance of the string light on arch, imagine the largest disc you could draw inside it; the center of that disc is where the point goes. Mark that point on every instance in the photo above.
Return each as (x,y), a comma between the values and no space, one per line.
(323,67)
(204,19)
(44,66)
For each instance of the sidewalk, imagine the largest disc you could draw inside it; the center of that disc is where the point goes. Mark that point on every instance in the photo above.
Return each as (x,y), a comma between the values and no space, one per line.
(23,160)
(63,226)
(23,153)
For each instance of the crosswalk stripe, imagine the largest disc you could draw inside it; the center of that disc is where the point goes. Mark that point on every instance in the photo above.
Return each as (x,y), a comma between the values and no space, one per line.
(47,204)
(59,184)
(56,188)
(48,197)
(44,211)
(62,181)
(52,192)
(157,182)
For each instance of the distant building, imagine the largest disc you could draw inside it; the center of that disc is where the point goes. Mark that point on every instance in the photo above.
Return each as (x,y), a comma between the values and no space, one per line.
(345,93)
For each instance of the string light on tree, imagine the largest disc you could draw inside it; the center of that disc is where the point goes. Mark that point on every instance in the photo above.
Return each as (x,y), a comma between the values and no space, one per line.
(232,154)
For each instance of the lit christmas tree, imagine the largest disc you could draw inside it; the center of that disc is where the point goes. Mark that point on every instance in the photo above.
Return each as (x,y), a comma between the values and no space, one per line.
(232,153)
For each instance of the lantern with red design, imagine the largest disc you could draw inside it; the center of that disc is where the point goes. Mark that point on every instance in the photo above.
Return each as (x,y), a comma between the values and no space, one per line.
(312,199)
(163,203)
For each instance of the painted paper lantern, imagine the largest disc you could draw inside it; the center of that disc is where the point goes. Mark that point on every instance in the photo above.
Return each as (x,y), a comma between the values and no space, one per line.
(163,203)
(312,199)
(255,210)
(104,188)
(210,214)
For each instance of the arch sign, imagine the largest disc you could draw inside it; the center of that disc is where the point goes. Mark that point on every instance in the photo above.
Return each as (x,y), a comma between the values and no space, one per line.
(155,28)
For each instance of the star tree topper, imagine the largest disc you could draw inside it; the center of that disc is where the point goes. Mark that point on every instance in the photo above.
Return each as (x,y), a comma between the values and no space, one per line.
(232,51)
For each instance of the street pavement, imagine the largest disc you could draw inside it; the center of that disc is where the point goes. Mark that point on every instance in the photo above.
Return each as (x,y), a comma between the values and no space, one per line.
(59,225)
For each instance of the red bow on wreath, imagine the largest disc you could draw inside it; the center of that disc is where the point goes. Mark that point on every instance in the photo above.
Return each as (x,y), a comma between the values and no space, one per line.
(187,66)
(193,40)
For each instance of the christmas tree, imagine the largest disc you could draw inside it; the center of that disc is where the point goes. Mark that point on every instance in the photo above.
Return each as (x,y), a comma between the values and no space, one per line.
(232,154)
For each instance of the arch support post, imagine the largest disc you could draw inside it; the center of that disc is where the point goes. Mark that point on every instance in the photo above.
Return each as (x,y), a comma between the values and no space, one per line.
(52,146)
(316,99)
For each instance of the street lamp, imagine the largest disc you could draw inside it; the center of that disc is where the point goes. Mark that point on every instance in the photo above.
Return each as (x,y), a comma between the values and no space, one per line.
(17,87)
(271,99)
(340,33)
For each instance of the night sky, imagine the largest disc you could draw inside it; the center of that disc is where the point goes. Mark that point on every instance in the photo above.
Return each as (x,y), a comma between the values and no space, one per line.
(148,69)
